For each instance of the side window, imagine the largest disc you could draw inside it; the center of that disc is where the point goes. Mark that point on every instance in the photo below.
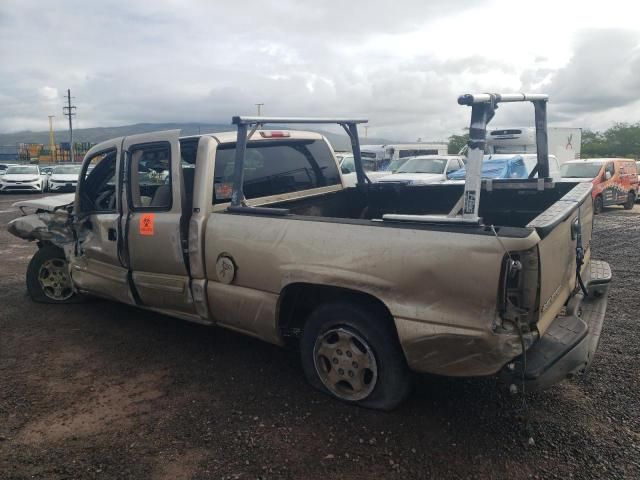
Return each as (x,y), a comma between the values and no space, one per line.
(150,176)
(453,165)
(609,168)
(273,167)
(98,188)
(348,165)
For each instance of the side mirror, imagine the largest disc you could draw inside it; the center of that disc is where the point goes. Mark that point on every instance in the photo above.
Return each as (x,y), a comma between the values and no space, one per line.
(344,170)
(607,175)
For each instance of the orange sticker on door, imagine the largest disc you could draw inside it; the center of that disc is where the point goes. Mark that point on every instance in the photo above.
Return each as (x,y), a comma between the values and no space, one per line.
(146,224)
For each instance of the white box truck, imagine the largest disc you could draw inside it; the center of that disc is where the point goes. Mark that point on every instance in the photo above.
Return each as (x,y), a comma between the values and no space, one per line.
(564,142)
(383,155)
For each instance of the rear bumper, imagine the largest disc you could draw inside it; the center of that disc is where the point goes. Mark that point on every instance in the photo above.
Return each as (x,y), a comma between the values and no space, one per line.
(570,342)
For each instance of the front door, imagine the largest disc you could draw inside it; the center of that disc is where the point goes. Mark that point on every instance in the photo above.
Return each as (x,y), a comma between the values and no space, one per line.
(96,262)
(156,243)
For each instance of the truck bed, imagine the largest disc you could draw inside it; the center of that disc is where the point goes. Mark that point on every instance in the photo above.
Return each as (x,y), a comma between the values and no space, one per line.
(506,207)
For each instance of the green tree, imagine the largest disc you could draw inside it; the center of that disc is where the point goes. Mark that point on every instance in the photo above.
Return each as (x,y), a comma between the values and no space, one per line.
(593,144)
(621,140)
(456,142)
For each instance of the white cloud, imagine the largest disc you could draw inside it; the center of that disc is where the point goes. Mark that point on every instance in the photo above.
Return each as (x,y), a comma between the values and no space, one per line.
(401,64)
(49,93)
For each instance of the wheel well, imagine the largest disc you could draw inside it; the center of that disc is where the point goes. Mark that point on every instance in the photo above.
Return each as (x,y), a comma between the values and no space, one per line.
(298,300)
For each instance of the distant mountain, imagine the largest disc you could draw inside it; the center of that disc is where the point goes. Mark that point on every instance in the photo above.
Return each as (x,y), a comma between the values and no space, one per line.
(99,134)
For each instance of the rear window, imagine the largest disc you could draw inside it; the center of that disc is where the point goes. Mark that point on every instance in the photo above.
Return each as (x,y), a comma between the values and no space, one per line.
(276,167)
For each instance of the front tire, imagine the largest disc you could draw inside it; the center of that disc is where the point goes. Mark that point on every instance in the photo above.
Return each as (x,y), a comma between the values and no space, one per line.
(631,200)
(598,205)
(351,352)
(48,278)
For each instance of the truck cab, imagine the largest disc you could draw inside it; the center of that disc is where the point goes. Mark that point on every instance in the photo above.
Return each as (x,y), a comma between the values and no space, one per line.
(140,203)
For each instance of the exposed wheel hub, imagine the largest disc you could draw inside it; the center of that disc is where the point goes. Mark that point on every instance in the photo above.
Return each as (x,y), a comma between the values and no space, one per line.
(55,280)
(346,364)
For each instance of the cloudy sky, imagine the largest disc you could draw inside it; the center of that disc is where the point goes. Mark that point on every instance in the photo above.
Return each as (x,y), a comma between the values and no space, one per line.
(400,63)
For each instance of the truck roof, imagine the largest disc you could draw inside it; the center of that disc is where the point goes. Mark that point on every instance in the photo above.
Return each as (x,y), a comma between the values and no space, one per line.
(261,134)
(230,136)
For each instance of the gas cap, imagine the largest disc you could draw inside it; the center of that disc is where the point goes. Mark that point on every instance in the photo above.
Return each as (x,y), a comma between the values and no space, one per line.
(225,269)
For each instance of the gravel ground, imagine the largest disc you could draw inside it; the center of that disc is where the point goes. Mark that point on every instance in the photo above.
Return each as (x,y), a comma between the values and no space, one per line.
(101,390)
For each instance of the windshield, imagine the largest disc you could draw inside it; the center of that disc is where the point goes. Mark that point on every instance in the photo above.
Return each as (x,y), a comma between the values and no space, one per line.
(22,170)
(396,164)
(580,170)
(423,165)
(67,170)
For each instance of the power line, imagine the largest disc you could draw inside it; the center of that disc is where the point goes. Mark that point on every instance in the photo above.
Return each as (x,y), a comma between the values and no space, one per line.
(69,111)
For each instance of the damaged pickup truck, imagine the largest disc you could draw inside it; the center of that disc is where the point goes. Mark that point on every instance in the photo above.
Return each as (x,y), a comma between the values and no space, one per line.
(254,231)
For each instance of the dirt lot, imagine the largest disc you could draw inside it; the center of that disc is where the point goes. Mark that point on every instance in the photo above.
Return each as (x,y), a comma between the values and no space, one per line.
(100,390)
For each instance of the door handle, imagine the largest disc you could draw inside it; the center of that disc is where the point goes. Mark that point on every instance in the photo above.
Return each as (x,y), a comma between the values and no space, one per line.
(112,234)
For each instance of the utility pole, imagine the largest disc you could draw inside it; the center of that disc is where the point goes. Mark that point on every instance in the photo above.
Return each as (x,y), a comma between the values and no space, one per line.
(259,105)
(366,131)
(52,142)
(68,111)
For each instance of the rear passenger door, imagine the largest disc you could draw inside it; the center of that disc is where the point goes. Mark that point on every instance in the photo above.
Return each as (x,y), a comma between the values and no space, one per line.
(156,252)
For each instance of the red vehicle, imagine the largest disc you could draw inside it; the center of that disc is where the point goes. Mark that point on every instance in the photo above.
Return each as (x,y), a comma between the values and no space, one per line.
(615,180)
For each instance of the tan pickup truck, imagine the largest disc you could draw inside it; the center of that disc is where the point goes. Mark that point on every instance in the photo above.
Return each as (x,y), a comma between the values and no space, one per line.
(253,230)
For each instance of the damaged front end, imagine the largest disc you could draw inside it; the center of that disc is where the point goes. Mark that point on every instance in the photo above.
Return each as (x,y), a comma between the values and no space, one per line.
(50,227)
(51,222)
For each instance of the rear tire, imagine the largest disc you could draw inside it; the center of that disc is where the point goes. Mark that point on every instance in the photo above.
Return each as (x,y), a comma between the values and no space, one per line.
(351,352)
(631,201)
(48,277)
(598,205)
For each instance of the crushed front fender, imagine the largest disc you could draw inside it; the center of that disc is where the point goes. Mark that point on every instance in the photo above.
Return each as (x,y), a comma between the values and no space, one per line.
(49,227)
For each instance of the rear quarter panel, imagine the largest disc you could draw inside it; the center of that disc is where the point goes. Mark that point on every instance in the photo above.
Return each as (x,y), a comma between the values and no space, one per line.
(434,283)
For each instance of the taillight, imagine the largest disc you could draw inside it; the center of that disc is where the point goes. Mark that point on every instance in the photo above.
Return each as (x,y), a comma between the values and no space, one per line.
(274,134)
(519,287)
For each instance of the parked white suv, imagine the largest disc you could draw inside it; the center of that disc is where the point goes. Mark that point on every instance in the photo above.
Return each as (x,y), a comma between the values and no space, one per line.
(25,178)
(64,178)
(425,169)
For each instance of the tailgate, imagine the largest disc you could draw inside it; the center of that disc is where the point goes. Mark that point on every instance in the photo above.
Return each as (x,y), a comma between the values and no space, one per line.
(557,227)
